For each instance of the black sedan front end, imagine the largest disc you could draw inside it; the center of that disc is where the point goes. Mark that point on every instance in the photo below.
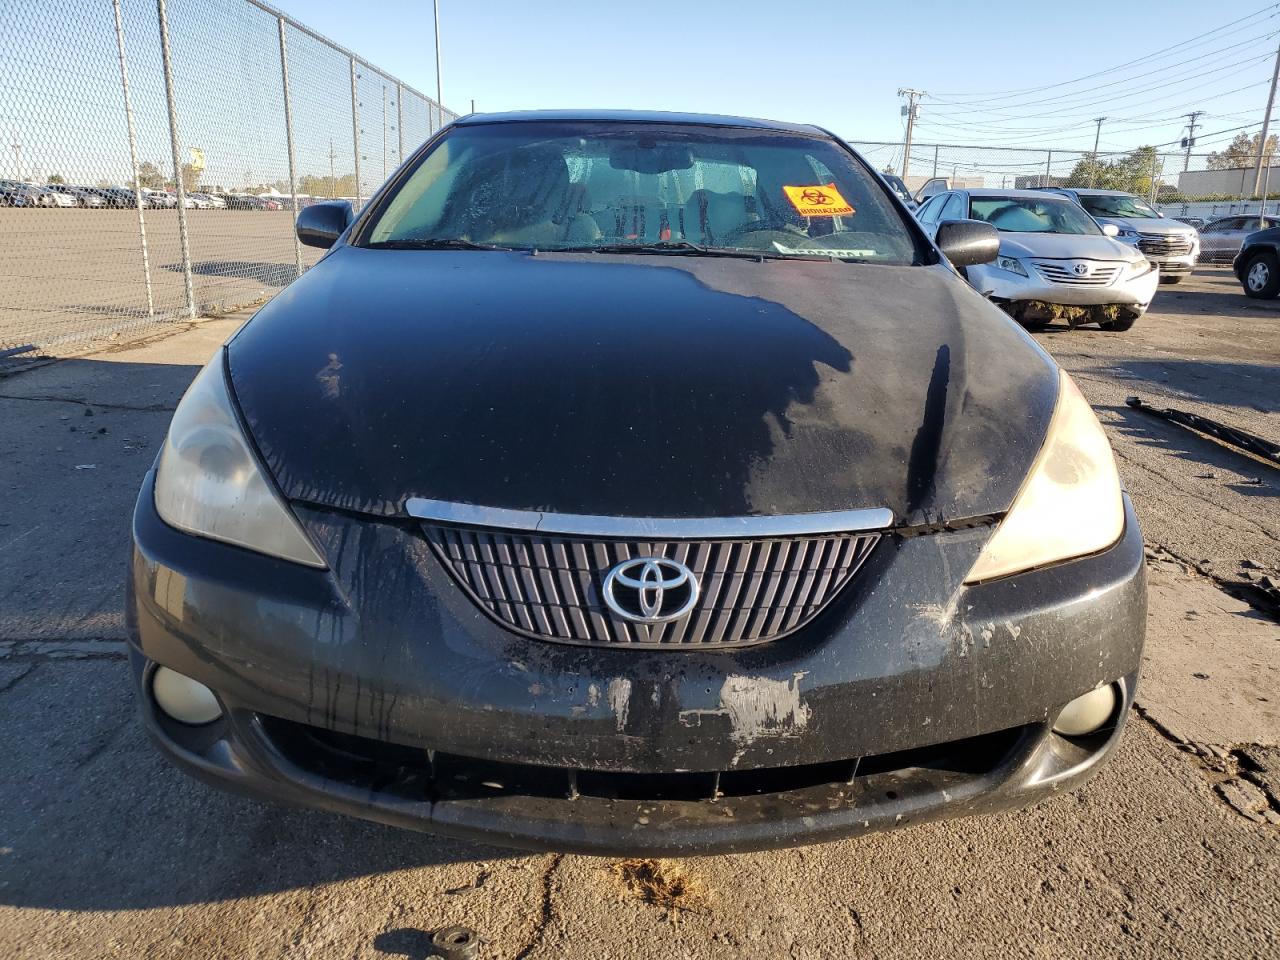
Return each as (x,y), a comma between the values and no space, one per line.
(715,545)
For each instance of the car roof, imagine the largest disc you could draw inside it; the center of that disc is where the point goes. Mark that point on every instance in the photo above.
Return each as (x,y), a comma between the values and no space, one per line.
(1098,192)
(1011,194)
(638,116)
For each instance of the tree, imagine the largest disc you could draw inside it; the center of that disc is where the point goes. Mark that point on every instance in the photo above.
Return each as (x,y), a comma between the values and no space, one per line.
(1130,172)
(56,178)
(1242,152)
(314,185)
(149,176)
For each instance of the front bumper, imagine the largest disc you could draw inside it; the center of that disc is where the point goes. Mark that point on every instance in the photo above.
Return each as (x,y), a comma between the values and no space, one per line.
(1006,286)
(378,689)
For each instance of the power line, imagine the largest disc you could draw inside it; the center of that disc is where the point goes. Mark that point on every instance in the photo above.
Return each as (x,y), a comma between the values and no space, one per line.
(1160,84)
(1194,41)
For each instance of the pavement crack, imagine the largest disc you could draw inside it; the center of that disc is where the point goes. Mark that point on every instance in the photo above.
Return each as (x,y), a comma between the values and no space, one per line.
(9,681)
(544,920)
(80,401)
(44,650)
(1254,594)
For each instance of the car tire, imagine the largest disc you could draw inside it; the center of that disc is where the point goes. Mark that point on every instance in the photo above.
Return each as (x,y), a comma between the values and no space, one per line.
(1118,325)
(1261,279)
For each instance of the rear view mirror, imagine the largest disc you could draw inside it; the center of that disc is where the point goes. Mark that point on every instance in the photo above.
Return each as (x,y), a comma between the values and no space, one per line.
(968,242)
(649,158)
(1111,230)
(320,224)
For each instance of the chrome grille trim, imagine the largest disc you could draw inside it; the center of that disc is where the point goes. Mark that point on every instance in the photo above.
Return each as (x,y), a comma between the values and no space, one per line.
(1164,244)
(664,528)
(548,587)
(1101,275)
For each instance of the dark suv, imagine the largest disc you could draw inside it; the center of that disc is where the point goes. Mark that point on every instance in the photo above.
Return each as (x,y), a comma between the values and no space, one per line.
(1257,265)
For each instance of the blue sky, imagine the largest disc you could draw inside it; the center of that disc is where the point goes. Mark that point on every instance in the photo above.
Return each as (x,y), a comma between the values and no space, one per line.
(1030,79)
(836,64)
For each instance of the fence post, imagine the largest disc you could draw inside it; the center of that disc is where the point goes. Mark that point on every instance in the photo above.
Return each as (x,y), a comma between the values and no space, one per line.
(1154,156)
(935,159)
(288,135)
(355,129)
(400,120)
(1048,166)
(384,129)
(167,63)
(133,159)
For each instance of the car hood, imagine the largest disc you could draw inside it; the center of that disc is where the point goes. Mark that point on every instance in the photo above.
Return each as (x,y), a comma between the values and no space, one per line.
(651,386)
(1150,225)
(1065,246)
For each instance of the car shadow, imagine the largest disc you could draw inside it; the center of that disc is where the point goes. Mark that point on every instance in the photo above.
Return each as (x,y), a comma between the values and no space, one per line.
(93,817)
(96,819)
(1187,444)
(1255,386)
(271,274)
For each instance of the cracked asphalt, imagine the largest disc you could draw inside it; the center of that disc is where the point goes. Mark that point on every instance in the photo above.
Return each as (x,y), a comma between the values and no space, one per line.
(1171,851)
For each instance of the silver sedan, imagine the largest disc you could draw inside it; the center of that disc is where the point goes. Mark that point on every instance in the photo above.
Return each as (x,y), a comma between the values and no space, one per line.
(1221,239)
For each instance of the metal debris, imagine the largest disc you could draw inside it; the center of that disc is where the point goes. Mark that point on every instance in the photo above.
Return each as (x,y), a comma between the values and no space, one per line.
(1233,436)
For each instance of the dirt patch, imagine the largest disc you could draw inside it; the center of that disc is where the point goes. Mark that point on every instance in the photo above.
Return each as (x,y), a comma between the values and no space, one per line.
(663,883)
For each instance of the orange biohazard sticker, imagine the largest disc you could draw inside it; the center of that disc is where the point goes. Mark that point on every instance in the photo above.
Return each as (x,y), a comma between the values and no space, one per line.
(820,201)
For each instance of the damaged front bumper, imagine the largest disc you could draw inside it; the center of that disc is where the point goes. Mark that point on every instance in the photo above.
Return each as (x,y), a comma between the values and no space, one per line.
(378,689)
(1132,296)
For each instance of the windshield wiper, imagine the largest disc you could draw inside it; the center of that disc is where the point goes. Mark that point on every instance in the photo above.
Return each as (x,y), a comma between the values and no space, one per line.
(671,247)
(435,243)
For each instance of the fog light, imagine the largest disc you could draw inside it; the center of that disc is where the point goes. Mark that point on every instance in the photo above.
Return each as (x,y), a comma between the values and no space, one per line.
(1086,714)
(183,699)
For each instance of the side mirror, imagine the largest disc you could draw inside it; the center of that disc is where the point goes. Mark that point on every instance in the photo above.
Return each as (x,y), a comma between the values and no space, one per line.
(1159,214)
(1110,229)
(968,242)
(320,224)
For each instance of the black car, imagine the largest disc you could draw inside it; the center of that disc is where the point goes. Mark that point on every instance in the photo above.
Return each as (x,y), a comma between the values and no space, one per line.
(636,482)
(900,190)
(1257,265)
(118,197)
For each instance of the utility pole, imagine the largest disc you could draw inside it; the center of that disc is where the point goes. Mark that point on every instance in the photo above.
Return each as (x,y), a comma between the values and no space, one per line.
(17,159)
(910,110)
(439,94)
(1191,137)
(1266,123)
(1097,137)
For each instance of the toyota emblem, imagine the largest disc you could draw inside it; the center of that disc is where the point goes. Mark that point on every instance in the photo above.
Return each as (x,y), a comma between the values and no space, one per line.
(1081,269)
(650,589)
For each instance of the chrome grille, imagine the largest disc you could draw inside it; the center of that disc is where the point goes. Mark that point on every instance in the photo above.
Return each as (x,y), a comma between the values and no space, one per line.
(1164,244)
(1099,275)
(549,586)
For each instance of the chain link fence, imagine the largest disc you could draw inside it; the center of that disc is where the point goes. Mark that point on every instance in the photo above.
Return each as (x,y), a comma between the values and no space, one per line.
(1177,183)
(155,153)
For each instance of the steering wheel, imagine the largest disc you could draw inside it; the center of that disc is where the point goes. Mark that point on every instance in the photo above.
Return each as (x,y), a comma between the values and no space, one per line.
(763,226)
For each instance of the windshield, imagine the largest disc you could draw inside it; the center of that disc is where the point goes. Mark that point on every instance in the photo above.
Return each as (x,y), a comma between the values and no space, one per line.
(610,187)
(1039,215)
(1103,205)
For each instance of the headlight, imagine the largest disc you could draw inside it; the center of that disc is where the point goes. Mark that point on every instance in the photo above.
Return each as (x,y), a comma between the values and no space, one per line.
(1129,235)
(1136,268)
(1011,264)
(1070,503)
(210,483)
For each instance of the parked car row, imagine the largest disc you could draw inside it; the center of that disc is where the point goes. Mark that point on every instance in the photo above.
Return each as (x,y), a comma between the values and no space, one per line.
(15,193)
(1081,255)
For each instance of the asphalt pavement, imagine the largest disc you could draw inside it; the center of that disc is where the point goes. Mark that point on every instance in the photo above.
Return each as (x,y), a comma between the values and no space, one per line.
(1172,851)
